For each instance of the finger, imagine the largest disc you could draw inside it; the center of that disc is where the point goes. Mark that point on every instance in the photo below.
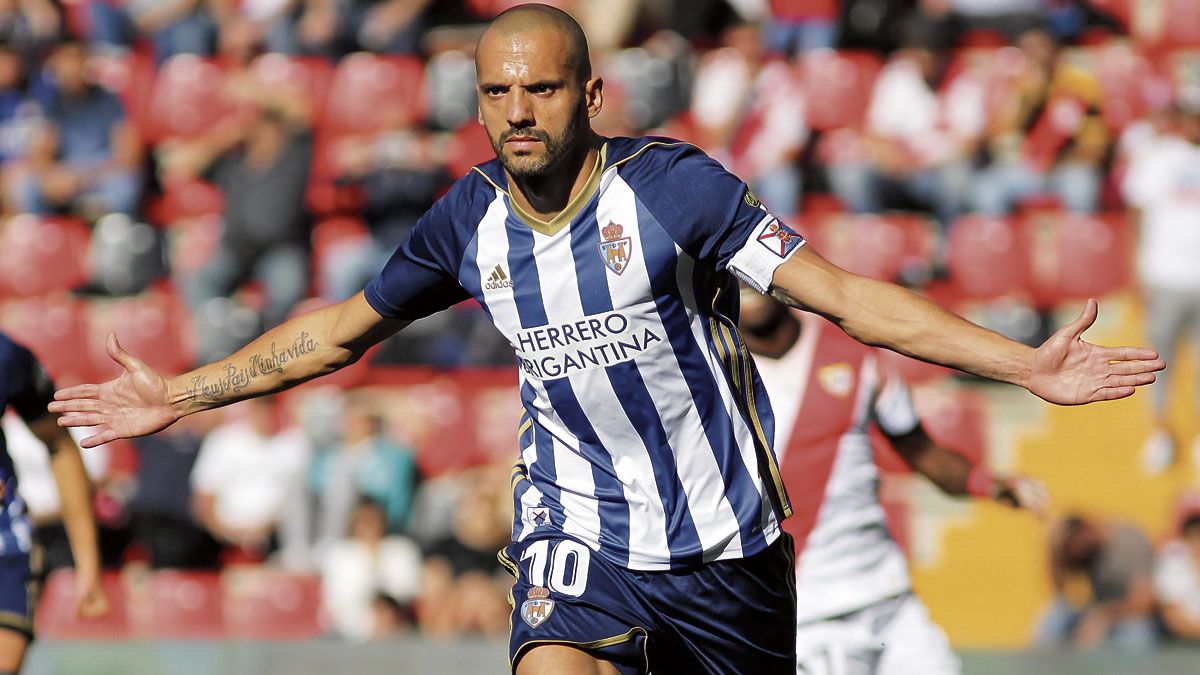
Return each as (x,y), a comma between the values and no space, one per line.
(1132,367)
(81,419)
(1134,354)
(74,405)
(117,353)
(1112,393)
(1137,380)
(1083,322)
(78,391)
(106,435)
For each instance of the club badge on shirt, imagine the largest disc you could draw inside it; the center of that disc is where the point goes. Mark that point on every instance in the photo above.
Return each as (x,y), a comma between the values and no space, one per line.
(779,238)
(837,379)
(616,249)
(538,607)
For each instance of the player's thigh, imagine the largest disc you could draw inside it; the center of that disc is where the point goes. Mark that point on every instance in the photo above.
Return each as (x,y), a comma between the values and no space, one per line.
(12,650)
(915,645)
(555,659)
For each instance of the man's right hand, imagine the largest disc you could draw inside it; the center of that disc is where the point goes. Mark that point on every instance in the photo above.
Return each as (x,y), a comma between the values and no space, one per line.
(136,403)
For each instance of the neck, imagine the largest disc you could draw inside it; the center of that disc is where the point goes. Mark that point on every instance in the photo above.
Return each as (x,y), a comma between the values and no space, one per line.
(774,339)
(547,195)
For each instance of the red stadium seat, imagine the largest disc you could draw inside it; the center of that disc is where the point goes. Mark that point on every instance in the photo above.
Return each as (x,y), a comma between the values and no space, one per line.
(1079,256)
(266,604)
(56,619)
(987,257)
(55,328)
(877,246)
(152,327)
(1180,23)
(42,255)
(1121,10)
(370,93)
(838,86)
(310,77)
(468,147)
(188,98)
(331,234)
(184,605)
(186,199)
(193,242)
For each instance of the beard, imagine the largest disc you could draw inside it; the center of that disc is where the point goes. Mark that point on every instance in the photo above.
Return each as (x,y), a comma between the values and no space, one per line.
(533,166)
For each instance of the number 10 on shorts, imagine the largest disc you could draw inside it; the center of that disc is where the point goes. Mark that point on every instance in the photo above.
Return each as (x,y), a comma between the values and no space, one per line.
(568,561)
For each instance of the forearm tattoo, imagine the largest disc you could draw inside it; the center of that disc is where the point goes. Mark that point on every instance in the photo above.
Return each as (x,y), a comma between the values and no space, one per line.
(236,377)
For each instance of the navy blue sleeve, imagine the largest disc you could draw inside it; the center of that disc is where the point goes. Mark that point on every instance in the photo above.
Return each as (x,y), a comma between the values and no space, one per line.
(30,389)
(712,214)
(421,276)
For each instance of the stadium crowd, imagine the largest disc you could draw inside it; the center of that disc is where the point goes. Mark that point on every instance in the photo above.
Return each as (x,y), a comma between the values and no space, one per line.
(193,171)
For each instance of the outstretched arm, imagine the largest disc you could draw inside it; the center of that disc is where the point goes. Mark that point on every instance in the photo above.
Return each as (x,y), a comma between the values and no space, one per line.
(140,401)
(1064,370)
(955,475)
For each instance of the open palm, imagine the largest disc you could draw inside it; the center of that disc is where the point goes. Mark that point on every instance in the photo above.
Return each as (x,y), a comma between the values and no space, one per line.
(1070,371)
(134,404)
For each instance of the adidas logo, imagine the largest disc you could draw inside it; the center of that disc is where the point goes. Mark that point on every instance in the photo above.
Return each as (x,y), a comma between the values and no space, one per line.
(498,280)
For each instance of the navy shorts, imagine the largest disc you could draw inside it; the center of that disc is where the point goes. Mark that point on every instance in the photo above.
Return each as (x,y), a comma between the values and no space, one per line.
(17,594)
(730,616)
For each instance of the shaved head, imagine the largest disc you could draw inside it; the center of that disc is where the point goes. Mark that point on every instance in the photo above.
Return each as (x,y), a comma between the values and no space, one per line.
(533,17)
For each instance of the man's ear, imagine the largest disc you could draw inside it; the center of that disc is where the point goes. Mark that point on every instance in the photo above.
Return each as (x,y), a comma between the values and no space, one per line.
(593,93)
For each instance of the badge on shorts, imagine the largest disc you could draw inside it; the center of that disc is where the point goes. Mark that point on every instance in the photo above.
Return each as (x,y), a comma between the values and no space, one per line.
(538,607)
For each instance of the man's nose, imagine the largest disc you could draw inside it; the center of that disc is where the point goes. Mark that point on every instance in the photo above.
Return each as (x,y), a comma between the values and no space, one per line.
(519,113)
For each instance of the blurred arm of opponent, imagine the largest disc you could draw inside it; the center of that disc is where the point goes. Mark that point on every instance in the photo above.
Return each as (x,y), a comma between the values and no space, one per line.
(140,401)
(1065,369)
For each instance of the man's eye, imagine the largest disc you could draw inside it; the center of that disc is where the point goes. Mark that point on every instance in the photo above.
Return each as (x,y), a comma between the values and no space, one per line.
(541,89)
(494,91)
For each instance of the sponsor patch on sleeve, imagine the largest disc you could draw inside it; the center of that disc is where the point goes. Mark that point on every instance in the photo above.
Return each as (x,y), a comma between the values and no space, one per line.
(779,238)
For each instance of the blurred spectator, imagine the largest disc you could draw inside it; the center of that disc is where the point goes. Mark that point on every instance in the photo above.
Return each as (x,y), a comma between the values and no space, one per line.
(1117,562)
(1045,135)
(30,27)
(246,480)
(1070,20)
(384,26)
(921,131)
(174,26)
(370,580)
(163,519)
(401,174)
(1177,582)
(609,24)
(1162,185)
(462,585)
(749,114)
(85,159)
(260,160)
(366,464)
(1008,17)
(20,117)
(802,25)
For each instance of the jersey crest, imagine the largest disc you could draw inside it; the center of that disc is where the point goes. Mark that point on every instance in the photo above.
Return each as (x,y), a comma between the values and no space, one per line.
(616,249)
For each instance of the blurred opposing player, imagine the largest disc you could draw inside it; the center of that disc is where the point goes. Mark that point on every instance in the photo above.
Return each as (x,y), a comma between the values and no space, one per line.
(25,387)
(648,501)
(856,611)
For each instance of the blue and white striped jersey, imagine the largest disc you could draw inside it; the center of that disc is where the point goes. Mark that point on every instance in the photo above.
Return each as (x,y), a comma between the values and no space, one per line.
(25,386)
(646,432)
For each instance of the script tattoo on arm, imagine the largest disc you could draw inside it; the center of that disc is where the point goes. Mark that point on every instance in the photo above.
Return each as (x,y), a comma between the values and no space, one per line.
(236,377)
